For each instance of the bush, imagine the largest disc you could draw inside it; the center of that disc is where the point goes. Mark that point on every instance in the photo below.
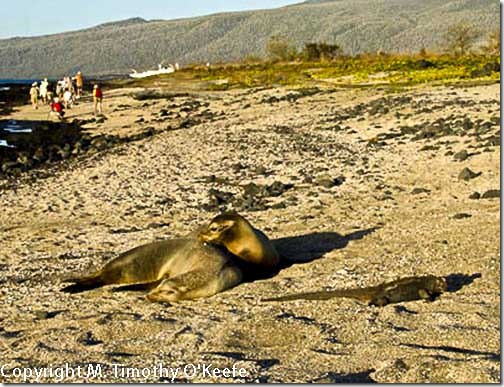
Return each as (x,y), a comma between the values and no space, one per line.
(493,43)
(314,52)
(460,38)
(279,49)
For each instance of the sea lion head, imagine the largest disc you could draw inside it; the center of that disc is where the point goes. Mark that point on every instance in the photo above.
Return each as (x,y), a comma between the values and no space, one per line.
(221,228)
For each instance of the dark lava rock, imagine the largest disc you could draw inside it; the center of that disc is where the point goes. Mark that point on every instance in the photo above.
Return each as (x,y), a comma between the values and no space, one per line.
(44,315)
(214,179)
(490,194)
(475,195)
(251,189)
(493,140)
(461,216)
(277,188)
(461,156)
(280,205)
(218,198)
(238,167)
(89,339)
(329,182)
(46,141)
(260,170)
(157,94)
(429,147)
(467,174)
(99,142)
(417,191)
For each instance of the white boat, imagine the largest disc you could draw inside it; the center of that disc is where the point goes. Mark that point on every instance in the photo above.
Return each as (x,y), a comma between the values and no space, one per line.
(149,73)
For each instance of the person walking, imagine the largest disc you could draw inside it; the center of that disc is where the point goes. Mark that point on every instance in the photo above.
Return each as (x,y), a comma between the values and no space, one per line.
(97,99)
(34,93)
(43,91)
(68,99)
(59,89)
(79,80)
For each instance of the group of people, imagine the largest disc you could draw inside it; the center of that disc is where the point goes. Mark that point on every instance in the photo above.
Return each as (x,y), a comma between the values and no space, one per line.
(64,94)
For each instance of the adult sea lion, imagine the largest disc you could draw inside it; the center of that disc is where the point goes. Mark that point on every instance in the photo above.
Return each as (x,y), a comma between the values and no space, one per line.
(200,265)
(249,250)
(240,238)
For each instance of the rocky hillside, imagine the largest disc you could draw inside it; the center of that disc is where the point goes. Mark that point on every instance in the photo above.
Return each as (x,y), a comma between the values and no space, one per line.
(358,26)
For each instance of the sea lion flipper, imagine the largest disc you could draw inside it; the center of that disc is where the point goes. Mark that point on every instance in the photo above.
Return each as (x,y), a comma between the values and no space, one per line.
(83,284)
(138,287)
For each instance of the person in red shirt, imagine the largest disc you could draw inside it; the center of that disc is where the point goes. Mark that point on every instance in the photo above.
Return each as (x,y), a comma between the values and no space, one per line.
(57,108)
(97,99)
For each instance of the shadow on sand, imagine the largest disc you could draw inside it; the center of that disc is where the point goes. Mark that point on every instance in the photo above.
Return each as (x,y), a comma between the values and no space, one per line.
(303,249)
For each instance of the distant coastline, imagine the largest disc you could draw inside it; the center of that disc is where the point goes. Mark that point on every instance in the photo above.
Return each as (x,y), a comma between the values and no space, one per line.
(24,82)
(17,81)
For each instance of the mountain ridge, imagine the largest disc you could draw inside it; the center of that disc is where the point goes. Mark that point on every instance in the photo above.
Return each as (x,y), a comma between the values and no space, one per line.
(357,26)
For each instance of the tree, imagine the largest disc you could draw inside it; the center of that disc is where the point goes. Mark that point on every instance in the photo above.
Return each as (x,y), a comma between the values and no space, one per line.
(278,48)
(460,38)
(320,51)
(492,46)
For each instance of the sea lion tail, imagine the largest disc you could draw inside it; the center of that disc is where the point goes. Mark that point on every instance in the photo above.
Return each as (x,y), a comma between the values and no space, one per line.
(83,284)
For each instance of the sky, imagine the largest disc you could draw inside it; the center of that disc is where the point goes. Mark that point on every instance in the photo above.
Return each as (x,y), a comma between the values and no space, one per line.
(40,17)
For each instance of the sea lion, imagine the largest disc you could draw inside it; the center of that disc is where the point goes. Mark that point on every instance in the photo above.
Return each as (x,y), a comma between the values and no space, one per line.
(200,265)
(241,239)
(177,269)
(405,289)
(250,251)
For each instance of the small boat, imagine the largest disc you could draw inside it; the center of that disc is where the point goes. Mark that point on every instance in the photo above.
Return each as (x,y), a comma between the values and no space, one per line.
(149,73)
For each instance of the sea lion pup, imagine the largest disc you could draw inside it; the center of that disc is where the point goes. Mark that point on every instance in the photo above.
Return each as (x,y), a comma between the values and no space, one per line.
(405,289)
(241,239)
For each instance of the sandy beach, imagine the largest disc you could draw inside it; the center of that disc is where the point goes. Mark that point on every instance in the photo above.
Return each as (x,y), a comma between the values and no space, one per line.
(356,186)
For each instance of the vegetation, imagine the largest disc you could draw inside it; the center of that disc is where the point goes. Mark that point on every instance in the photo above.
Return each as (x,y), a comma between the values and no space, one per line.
(492,46)
(116,48)
(460,38)
(323,62)
(320,51)
(278,48)
(362,70)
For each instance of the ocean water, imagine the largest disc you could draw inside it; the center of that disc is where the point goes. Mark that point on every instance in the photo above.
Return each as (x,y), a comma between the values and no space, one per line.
(12,127)
(5,144)
(18,81)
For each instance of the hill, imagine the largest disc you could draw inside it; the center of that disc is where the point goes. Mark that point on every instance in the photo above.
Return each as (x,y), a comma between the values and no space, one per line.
(358,26)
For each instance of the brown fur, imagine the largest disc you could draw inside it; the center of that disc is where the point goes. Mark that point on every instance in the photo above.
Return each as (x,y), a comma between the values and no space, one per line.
(241,239)
(199,265)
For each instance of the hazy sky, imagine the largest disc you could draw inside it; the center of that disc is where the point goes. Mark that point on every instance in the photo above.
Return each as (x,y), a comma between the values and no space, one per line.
(39,17)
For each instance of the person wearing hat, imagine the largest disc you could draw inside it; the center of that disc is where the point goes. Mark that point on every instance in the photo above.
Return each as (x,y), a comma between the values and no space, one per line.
(43,91)
(79,80)
(97,99)
(34,93)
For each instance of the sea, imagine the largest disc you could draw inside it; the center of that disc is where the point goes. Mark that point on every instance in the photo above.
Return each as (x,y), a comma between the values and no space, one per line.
(21,82)
(17,81)
(10,89)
